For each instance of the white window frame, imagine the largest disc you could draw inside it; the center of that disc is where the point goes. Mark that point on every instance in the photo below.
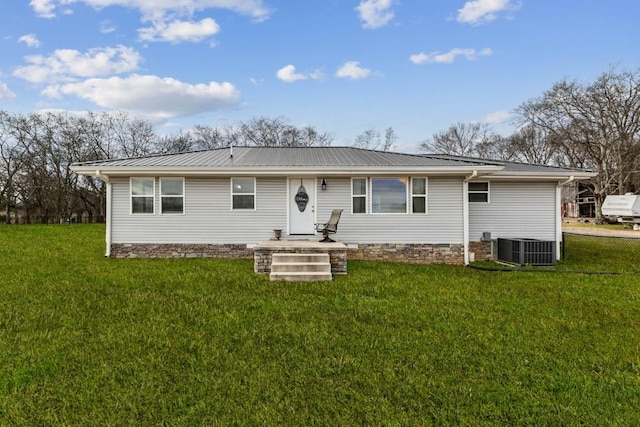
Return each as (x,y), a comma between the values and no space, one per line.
(425,195)
(131,195)
(487,191)
(406,195)
(162,196)
(254,194)
(364,196)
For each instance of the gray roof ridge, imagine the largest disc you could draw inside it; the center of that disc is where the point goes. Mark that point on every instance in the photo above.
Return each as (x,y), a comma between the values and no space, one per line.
(464,158)
(155,155)
(149,156)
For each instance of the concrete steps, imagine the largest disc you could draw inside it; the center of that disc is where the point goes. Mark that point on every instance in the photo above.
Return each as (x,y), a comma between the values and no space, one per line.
(294,267)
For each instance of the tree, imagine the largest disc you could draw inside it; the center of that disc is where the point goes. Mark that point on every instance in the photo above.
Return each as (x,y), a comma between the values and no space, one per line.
(497,147)
(36,151)
(277,132)
(594,125)
(372,140)
(11,164)
(534,145)
(460,139)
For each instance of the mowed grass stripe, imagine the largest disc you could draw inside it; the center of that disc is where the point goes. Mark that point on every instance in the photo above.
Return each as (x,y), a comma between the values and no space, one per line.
(91,341)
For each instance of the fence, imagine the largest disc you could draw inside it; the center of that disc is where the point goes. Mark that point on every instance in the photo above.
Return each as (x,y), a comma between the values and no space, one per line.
(607,253)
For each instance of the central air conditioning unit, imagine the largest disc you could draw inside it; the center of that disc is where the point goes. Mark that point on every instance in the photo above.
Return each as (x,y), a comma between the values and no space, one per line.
(527,251)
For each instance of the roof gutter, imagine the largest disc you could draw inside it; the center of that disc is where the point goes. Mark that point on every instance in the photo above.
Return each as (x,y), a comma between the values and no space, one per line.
(280,170)
(571,179)
(473,175)
(559,215)
(465,215)
(105,178)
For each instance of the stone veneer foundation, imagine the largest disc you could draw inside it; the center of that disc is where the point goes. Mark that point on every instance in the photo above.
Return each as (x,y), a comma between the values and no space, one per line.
(174,250)
(426,253)
(414,253)
(482,250)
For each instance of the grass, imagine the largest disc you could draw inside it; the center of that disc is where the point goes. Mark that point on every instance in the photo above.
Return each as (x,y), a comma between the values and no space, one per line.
(91,341)
(601,254)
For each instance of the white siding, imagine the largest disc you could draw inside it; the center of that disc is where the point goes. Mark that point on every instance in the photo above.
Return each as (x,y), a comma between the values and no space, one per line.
(516,209)
(208,217)
(442,224)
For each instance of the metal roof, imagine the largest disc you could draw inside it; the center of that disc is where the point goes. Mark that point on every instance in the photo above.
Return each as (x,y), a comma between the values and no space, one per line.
(285,157)
(314,160)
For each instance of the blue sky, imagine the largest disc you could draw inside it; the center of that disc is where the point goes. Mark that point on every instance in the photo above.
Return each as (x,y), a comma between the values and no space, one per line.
(342,66)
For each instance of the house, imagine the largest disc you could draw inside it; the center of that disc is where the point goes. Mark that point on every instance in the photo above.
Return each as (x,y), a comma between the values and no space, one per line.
(398,207)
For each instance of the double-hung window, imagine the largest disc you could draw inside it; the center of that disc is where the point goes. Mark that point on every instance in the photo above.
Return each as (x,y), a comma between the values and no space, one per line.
(359,195)
(479,192)
(419,195)
(172,195)
(388,195)
(142,195)
(243,193)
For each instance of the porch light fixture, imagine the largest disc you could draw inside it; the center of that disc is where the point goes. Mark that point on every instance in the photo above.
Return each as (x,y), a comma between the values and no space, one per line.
(323,185)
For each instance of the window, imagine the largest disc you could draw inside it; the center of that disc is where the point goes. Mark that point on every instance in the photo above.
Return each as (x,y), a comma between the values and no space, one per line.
(388,195)
(479,192)
(142,195)
(243,193)
(419,195)
(359,195)
(172,195)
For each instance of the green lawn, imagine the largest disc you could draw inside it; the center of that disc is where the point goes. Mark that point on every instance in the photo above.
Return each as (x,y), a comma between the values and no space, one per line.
(91,341)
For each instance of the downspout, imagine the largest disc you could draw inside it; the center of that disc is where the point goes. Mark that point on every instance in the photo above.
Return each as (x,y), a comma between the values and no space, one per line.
(106,180)
(465,215)
(559,215)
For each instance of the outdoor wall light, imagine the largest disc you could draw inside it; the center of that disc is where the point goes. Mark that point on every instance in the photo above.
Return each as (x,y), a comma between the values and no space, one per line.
(323,185)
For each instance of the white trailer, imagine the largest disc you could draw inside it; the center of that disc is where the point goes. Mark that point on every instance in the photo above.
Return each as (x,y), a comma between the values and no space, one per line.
(625,208)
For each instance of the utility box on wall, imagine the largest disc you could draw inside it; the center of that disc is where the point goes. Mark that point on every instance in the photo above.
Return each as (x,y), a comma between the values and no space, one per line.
(527,251)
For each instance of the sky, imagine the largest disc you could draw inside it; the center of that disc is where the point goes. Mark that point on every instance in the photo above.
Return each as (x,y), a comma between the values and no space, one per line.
(342,66)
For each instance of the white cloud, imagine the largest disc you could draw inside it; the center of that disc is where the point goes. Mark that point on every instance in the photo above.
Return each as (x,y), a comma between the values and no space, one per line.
(107,27)
(497,117)
(288,74)
(43,8)
(352,70)
(151,96)
(179,31)
(67,64)
(448,57)
(30,40)
(483,11)
(253,8)
(5,92)
(375,13)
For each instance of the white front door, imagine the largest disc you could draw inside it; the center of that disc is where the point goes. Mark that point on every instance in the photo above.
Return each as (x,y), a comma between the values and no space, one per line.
(302,205)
